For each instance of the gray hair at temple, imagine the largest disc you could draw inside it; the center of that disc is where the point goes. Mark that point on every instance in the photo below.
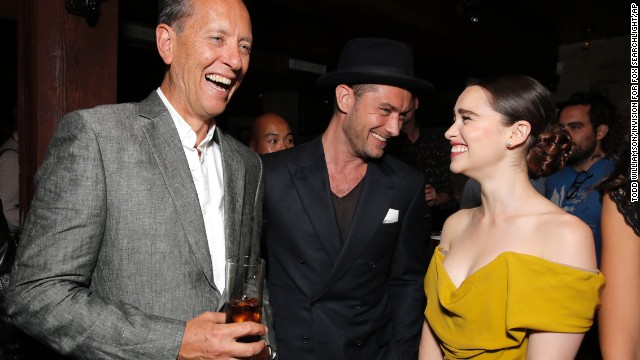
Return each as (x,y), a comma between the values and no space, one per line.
(172,12)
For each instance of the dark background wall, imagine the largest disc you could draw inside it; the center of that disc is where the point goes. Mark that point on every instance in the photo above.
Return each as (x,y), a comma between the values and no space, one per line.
(453,40)
(8,84)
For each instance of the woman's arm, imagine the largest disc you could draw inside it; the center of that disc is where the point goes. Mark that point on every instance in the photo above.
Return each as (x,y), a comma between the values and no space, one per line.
(429,348)
(570,242)
(619,316)
(553,346)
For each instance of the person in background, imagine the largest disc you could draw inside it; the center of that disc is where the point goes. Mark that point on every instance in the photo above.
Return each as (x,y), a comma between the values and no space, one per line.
(139,205)
(587,117)
(13,343)
(270,133)
(344,223)
(619,315)
(428,152)
(9,182)
(504,281)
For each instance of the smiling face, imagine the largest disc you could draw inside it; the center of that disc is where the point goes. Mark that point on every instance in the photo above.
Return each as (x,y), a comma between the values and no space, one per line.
(270,133)
(207,58)
(375,117)
(477,135)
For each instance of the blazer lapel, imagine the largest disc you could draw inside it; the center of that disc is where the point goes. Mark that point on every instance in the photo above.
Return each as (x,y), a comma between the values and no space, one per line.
(234,173)
(380,184)
(311,181)
(164,140)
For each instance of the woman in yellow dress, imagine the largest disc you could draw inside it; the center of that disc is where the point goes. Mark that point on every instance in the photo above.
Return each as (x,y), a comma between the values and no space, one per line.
(516,277)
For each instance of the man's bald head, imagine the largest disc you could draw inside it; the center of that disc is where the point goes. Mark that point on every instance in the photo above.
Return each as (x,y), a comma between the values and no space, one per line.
(270,133)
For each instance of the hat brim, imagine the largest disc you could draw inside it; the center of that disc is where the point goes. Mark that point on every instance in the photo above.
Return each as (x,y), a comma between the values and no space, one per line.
(354,77)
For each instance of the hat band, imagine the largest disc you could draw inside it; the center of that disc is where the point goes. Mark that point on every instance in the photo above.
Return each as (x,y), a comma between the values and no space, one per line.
(378,70)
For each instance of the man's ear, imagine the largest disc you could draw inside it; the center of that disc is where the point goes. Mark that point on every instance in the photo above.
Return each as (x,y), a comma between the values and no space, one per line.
(416,103)
(345,98)
(252,145)
(519,133)
(601,131)
(164,40)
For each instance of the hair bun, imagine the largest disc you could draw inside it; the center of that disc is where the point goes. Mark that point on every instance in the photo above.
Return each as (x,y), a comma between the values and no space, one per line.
(550,151)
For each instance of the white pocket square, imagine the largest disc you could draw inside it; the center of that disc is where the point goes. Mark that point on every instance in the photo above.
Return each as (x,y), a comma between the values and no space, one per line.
(392,217)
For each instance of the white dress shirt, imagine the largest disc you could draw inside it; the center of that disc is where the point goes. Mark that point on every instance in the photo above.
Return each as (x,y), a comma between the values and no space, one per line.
(206,170)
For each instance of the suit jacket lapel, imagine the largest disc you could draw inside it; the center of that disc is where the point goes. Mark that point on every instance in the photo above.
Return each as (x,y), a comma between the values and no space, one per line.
(380,184)
(234,173)
(311,181)
(164,140)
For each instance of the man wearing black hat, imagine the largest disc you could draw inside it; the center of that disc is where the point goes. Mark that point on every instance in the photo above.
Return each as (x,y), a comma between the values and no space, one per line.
(344,223)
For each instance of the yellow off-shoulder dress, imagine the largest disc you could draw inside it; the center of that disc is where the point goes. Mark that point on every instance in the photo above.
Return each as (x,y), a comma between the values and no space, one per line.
(490,315)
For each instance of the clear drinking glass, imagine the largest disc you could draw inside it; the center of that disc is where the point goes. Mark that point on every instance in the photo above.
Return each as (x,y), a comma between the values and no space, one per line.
(243,292)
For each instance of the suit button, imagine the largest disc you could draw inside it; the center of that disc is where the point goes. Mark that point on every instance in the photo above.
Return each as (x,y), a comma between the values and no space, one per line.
(305,340)
(359,342)
(301,260)
(372,264)
(357,306)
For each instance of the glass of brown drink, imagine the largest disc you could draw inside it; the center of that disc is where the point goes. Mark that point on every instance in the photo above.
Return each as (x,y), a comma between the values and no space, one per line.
(243,292)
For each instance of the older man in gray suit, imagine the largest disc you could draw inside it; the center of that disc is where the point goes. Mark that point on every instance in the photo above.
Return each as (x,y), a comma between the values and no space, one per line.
(138,205)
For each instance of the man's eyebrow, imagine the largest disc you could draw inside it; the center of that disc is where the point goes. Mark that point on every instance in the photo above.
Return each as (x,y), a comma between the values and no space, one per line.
(225,32)
(393,107)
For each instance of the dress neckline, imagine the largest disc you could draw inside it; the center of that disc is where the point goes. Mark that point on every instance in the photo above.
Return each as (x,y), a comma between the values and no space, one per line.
(443,253)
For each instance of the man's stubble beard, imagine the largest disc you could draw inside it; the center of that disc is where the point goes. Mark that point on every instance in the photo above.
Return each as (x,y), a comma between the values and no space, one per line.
(581,155)
(352,135)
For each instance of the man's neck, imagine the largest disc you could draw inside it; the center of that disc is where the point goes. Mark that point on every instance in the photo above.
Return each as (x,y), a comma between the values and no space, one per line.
(338,154)
(345,173)
(587,163)
(199,126)
(346,169)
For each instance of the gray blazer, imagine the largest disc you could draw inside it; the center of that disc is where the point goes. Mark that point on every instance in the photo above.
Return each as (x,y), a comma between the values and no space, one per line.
(114,258)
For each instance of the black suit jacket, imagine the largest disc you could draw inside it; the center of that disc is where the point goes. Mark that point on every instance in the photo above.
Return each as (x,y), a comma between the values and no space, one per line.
(363,300)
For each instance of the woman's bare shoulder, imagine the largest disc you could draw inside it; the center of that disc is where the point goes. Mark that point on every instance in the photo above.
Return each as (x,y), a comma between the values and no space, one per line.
(567,240)
(455,224)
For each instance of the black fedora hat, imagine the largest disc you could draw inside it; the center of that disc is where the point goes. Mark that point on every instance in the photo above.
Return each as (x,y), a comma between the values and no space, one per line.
(375,61)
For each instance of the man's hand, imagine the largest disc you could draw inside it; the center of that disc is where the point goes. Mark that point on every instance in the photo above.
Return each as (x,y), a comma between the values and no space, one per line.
(208,337)
(433,198)
(430,195)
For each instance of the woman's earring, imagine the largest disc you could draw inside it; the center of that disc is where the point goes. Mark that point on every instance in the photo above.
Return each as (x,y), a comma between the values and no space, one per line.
(509,144)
